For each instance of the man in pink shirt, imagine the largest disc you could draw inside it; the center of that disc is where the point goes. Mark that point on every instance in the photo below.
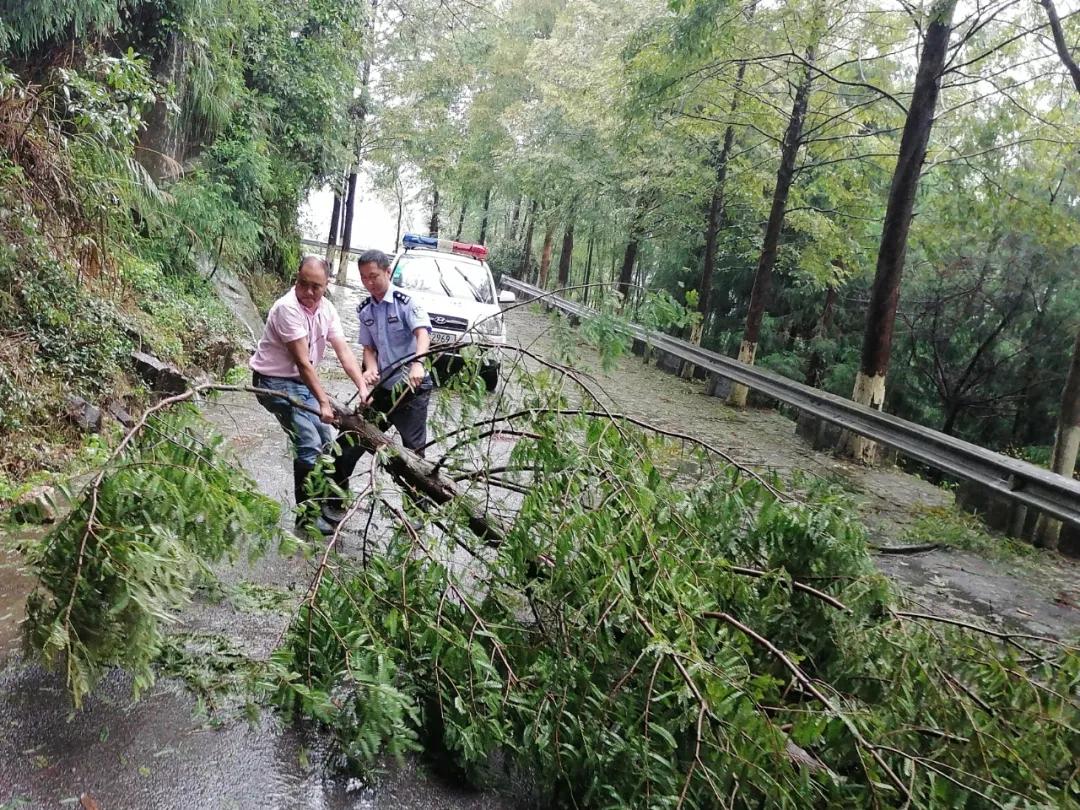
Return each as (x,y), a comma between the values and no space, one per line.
(299,326)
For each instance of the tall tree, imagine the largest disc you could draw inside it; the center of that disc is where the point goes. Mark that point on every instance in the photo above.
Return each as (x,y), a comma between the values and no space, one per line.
(1067,436)
(785,174)
(588,268)
(545,254)
(885,293)
(461,217)
(633,243)
(484,219)
(715,213)
(1066,444)
(716,207)
(514,219)
(335,227)
(363,104)
(433,220)
(526,247)
(567,255)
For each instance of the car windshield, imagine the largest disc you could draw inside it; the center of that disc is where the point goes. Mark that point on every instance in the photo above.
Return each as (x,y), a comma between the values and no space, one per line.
(444,275)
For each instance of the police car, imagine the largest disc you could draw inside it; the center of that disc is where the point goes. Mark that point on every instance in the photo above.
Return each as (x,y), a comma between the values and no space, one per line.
(453,283)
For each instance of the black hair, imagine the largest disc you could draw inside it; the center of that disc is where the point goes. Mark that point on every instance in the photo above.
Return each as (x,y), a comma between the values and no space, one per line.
(377,256)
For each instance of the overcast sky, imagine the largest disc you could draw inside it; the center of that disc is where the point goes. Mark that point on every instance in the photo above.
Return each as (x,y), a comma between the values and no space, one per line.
(374,219)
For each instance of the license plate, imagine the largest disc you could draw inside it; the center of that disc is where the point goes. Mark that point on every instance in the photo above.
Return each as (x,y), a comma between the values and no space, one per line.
(442,337)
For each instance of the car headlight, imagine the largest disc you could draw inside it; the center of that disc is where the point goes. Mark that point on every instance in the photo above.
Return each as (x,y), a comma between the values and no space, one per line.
(490,326)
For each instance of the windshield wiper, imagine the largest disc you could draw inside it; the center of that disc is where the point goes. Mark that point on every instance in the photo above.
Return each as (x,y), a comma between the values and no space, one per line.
(443,284)
(475,292)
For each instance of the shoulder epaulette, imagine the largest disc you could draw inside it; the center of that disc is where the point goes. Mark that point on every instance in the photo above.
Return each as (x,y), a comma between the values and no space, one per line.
(364,303)
(401,297)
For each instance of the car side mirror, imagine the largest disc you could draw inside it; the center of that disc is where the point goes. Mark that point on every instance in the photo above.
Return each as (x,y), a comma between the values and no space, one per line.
(506,297)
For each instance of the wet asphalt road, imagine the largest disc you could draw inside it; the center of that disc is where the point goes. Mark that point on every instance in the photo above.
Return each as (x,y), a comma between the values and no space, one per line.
(155,753)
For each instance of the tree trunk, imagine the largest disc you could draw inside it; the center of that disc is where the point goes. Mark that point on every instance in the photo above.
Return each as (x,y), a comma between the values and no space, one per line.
(526,253)
(626,273)
(789,150)
(361,116)
(335,229)
(953,409)
(1060,44)
(514,219)
(433,223)
(400,211)
(484,220)
(335,216)
(461,218)
(341,219)
(881,313)
(567,255)
(545,255)
(614,263)
(816,366)
(1067,439)
(346,228)
(588,268)
(415,474)
(1066,445)
(716,209)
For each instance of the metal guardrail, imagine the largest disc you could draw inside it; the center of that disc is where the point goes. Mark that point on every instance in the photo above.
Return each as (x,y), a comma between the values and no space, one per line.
(320,247)
(1017,480)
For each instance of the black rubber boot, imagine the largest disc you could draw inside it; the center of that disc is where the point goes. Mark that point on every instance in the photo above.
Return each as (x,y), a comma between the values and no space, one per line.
(300,473)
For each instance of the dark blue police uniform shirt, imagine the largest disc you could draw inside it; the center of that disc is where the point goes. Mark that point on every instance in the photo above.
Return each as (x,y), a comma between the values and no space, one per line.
(387,327)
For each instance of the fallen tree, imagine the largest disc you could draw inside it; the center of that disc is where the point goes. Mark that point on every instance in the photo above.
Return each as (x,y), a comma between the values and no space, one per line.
(616,610)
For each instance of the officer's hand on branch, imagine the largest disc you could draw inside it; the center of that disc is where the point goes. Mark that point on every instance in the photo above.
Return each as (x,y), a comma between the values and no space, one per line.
(416,374)
(371,376)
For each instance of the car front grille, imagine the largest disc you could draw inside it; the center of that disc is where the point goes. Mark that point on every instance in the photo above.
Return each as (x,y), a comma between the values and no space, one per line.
(448,323)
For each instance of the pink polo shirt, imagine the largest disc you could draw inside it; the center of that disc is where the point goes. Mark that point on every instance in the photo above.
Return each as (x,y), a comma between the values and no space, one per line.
(290,320)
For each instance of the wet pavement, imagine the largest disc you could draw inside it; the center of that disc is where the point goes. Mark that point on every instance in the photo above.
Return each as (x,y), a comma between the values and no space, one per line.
(159,752)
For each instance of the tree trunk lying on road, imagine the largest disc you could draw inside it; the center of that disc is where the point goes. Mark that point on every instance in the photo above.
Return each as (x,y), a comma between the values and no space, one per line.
(418,474)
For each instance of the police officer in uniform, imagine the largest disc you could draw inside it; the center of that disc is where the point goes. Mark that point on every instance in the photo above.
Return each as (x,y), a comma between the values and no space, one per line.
(394,329)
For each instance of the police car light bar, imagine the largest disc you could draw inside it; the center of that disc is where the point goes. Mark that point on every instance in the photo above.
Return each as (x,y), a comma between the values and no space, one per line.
(411,240)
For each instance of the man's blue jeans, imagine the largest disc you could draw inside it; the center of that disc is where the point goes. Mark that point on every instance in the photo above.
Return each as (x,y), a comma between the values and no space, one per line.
(307,433)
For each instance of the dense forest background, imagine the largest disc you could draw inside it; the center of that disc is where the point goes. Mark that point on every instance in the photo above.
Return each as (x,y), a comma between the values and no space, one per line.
(645,143)
(742,157)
